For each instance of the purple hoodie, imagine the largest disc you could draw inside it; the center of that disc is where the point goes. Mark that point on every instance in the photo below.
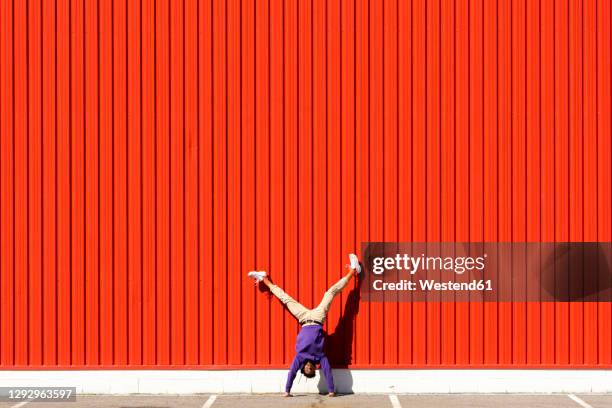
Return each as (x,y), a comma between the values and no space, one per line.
(309,346)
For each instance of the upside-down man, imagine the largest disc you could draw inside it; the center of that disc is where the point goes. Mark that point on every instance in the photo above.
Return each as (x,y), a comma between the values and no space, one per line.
(310,342)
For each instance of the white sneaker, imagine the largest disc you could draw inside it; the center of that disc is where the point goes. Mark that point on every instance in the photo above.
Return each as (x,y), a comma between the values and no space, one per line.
(257,275)
(355,263)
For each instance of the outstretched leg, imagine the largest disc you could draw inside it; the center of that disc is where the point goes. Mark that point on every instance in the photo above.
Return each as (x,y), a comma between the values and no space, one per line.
(295,308)
(320,312)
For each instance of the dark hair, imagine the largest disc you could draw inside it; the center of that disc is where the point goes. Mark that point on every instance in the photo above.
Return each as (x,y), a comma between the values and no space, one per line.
(310,375)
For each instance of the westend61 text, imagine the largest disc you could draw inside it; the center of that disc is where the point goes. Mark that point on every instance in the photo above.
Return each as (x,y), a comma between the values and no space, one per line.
(431,285)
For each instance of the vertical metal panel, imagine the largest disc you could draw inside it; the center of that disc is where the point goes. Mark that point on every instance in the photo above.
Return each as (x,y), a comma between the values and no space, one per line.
(7,189)
(476,164)
(362,179)
(277,186)
(547,172)
(418,154)
(205,180)
(491,161)
(462,160)
(562,168)
(405,182)
(447,163)
(152,153)
(517,174)
(589,143)
(533,150)
(604,161)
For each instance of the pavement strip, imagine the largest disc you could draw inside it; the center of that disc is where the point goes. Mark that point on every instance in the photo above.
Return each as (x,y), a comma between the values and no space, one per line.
(394,401)
(21,404)
(578,401)
(209,401)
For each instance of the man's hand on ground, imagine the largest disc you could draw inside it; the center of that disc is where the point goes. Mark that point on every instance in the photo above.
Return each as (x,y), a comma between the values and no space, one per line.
(287,395)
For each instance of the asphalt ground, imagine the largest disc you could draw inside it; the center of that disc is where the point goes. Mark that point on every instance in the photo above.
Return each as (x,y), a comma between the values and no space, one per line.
(317,401)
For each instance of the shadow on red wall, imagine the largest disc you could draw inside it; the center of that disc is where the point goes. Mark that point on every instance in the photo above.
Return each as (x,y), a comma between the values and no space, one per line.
(339,344)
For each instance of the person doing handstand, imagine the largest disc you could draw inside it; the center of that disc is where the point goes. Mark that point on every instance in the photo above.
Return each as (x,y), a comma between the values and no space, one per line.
(310,341)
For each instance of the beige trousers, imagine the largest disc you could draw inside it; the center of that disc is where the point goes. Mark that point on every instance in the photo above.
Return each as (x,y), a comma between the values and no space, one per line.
(300,312)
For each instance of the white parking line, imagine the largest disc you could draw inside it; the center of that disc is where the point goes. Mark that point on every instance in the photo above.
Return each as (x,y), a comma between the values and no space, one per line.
(21,404)
(209,401)
(394,401)
(578,401)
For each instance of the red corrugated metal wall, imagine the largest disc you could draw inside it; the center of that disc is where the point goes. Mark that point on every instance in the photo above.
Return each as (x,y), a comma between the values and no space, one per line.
(154,151)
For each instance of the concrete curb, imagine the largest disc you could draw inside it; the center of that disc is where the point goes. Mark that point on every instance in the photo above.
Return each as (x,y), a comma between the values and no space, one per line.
(347,381)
